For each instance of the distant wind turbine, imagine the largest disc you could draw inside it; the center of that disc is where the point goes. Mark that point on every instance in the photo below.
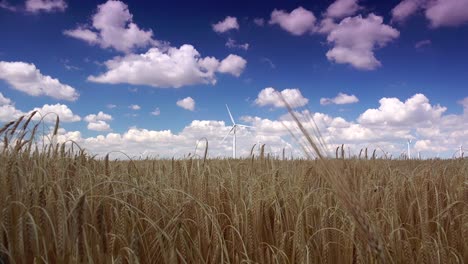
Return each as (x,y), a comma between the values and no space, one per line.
(409,149)
(233,130)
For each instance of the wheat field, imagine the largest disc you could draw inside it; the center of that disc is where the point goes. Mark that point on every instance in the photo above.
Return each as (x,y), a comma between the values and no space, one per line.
(61,205)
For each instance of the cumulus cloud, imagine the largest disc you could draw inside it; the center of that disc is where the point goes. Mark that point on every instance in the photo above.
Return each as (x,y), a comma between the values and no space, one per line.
(50,112)
(113,27)
(392,111)
(356,38)
(134,107)
(8,111)
(231,43)
(233,65)
(440,13)
(171,68)
(98,122)
(187,103)
(298,22)
(26,78)
(342,8)
(269,96)
(35,6)
(227,24)
(340,99)
(4,100)
(432,133)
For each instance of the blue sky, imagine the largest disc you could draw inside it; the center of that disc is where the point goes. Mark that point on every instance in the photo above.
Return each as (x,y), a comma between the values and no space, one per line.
(368,73)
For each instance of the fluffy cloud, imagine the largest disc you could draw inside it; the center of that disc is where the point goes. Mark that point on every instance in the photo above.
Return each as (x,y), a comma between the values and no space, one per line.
(98,122)
(175,67)
(4,100)
(340,99)
(392,111)
(35,6)
(100,116)
(231,43)
(298,22)
(269,96)
(227,24)
(27,78)
(233,65)
(49,113)
(134,107)
(99,126)
(342,8)
(355,39)
(187,103)
(405,9)
(447,12)
(431,134)
(113,27)
(440,13)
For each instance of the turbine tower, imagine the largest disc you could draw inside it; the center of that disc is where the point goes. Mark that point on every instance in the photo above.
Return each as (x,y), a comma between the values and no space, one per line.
(461,151)
(233,130)
(409,149)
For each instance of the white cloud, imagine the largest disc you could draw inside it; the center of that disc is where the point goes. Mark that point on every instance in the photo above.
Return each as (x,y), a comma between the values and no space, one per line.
(392,111)
(233,65)
(440,13)
(340,99)
(35,6)
(269,96)
(156,111)
(342,8)
(298,22)
(99,126)
(100,116)
(405,9)
(113,27)
(8,112)
(227,24)
(175,67)
(434,133)
(4,100)
(231,43)
(27,78)
(355,39)
(50,111)
(111,106)
(134,107)
(447,12)
(187,103)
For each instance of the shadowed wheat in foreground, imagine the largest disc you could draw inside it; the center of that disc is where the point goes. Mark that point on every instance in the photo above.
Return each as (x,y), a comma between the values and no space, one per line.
(63,206)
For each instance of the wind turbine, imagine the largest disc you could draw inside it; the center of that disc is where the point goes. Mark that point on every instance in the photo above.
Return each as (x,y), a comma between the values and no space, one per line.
(409,149)
(461,151)
(233,130)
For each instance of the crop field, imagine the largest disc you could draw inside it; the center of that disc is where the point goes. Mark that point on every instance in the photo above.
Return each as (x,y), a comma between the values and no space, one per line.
(61,205)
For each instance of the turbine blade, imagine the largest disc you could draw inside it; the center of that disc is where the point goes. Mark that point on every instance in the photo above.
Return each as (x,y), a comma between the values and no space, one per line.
(222,141)
(232,119)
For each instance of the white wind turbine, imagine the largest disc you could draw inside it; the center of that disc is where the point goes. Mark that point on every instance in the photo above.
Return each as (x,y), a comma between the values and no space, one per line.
(409,149)
(233,130)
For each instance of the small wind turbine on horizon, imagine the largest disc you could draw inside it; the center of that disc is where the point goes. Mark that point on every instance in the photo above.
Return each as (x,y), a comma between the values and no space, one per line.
(409,149)
(233,130)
